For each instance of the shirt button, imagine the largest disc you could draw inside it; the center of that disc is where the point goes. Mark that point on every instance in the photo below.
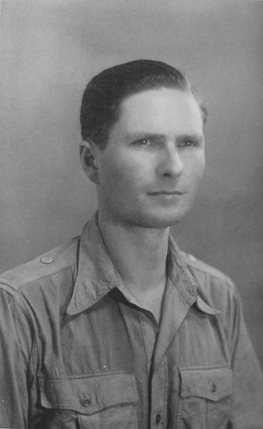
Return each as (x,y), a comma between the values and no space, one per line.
(85,402)
(158,418)
(192,290)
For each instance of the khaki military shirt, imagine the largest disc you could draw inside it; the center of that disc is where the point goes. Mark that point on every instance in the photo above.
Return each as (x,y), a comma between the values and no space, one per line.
(77,352)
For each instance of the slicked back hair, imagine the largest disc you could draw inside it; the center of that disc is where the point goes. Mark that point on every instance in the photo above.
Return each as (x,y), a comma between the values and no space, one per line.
(104,94)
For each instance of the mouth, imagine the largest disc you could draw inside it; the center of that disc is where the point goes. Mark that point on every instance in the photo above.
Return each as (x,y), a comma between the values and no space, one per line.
(163,192)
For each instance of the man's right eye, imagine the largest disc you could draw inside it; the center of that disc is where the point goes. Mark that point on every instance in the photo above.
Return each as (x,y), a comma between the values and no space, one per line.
(146,142)
(142,142)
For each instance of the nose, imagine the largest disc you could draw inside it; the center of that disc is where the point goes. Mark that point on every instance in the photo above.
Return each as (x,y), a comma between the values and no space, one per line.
(170,163)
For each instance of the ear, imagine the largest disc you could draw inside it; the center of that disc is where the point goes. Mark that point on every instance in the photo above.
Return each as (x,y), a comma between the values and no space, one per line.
(88,157)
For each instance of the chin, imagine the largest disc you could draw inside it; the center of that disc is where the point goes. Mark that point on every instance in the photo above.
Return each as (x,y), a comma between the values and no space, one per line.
(158,220)
(165,223)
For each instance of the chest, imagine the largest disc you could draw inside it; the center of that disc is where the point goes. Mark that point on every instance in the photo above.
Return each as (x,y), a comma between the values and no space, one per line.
(111,367)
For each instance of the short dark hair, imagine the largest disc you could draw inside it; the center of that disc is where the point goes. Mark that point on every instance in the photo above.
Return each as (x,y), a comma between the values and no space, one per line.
(102,98)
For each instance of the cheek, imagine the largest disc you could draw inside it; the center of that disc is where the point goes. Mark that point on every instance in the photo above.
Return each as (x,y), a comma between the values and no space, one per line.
(200,168)
(127,170)
(117,180)
(196,169)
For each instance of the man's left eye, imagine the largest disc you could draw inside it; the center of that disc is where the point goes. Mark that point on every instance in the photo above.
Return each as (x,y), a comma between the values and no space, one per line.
(188,143)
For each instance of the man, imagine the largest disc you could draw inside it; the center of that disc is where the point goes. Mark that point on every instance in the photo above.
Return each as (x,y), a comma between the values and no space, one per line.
(119,328)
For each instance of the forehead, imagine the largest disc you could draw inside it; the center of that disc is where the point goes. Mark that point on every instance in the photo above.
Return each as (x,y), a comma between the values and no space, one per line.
(161,108)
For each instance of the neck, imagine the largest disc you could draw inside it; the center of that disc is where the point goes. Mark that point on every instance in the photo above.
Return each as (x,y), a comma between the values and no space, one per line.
(138,253)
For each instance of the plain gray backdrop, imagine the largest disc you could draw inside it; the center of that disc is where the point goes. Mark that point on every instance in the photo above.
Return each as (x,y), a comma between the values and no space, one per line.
(51,48)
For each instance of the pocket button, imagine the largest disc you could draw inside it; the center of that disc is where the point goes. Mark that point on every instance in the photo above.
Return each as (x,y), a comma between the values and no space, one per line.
(213,388)
(85,402)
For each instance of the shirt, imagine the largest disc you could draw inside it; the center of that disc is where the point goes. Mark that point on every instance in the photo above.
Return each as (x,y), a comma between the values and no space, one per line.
(77,352)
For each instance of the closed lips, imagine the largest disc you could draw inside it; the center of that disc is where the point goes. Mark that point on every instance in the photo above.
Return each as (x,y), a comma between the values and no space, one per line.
(166,193)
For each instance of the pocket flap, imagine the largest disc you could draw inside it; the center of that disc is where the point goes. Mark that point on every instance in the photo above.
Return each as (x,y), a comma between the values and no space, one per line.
(87,394)
(212,383)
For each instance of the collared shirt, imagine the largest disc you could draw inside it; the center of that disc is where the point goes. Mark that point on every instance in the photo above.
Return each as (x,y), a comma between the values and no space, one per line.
(78,352)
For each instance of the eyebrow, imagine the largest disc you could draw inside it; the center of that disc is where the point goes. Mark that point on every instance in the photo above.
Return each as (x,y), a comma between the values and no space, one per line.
(197,137)
(144,134)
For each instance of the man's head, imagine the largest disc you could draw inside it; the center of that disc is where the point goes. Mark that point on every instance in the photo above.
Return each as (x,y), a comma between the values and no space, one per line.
(143,146)
(104,94)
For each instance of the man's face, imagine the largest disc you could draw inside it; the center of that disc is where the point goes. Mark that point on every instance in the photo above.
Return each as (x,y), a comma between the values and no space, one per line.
(151,167)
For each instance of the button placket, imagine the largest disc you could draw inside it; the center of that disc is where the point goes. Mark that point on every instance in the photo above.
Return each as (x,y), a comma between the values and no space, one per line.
(158,415)
(158,418)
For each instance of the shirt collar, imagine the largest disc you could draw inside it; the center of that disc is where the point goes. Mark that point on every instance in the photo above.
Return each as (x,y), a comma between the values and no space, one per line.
(96,275)
(183,280)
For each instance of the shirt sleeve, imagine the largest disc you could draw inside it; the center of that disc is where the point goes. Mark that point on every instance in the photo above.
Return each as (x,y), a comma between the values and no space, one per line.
(15,351)
(247,405)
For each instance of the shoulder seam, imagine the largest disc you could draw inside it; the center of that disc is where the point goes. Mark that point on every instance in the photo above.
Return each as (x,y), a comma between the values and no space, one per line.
(15,286)
(205,268)
(220,275)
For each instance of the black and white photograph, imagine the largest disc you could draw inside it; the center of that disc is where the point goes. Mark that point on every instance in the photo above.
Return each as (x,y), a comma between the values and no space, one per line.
(131,214)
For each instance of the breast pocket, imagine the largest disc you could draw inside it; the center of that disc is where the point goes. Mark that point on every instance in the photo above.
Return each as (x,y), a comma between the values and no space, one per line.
(89,402)
(205,396)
